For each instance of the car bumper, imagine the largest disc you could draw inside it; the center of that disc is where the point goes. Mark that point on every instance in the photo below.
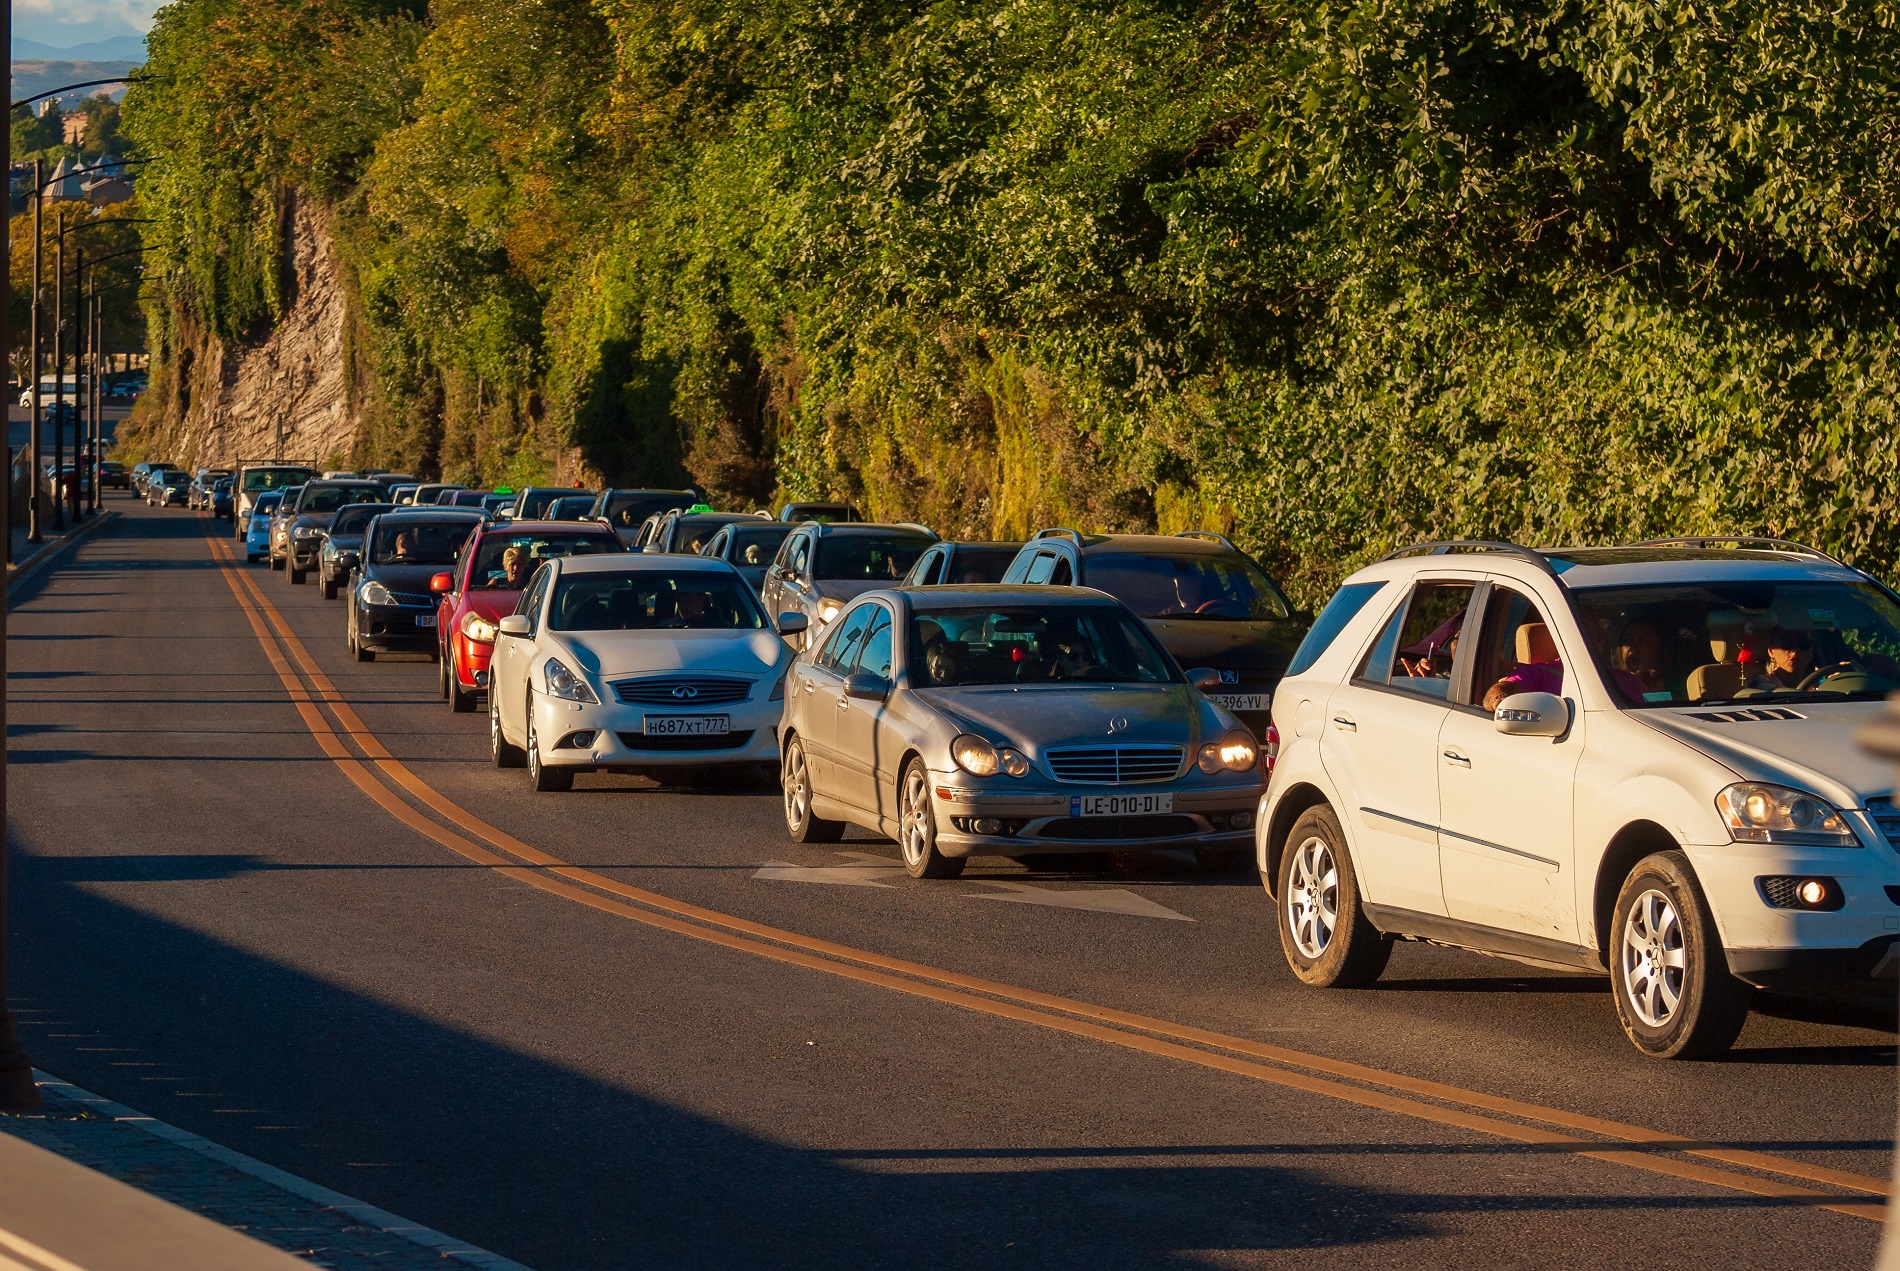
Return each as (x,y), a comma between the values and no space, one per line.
(303,555)
(394,629)
(1803,950)
(618,743)
(1040,820)
(471,662)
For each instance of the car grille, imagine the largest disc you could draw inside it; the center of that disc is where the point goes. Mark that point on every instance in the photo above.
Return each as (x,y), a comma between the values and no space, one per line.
(410,598)
(719,741)
(675,690)
(1887,817)
(1120,827)
(1114,765)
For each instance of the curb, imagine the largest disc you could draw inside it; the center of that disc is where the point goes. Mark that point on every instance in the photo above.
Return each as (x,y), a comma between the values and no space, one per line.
(20,572)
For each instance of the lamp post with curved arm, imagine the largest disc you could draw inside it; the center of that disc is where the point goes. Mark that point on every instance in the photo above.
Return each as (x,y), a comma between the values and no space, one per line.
(95,342)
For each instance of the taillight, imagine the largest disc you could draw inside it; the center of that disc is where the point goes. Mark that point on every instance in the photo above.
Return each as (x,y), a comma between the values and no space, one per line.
(1271,751)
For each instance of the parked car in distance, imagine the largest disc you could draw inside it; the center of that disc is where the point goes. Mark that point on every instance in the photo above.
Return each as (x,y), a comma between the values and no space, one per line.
(257,478)
(342,546)
(487,584)
(219,501)
(113,475)
(1008,721)
(280,518)
(141,472)
(1633,759)
(531,503)
(198,493)
(1206,600)
(829,513)
(626,510)
(391,606)
(748,546)
(628,663)
(688,532)
(820,567)
(962,564)
(168,488)
(256,527)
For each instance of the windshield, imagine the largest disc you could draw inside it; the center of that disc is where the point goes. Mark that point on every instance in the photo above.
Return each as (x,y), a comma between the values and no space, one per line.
(1048,645)
(266,504)
(257,479)
(867,557)
(650,600)
(507,561)
(418,542)
(352,519)
(692,533)
(981,564)
(1192,585)
(629,510)
(1741,641)
(328,498)
(756,547)
(535,502)
(572,507)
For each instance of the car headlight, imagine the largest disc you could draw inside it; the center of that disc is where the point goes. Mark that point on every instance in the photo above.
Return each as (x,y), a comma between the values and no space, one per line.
(827,610)
(1757,813)
(566,685)
(1235,752)
(478,628)
(306,531)
(374,593)
(778,690)
(979,758)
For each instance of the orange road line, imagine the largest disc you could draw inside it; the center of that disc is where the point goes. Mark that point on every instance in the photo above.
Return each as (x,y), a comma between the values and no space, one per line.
(816,954)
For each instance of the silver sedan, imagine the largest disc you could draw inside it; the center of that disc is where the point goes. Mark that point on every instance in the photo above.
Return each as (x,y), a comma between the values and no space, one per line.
(1008,721)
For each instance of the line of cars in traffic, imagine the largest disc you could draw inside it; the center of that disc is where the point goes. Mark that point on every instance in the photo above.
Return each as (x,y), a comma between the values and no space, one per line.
(1634,760)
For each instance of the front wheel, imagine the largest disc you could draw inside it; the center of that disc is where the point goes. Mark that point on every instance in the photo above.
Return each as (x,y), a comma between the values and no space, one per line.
(500,750)
(329,589)
(1327,938)
(917,827)
(296,575)
(795,781)
(541,777)
(1668,973)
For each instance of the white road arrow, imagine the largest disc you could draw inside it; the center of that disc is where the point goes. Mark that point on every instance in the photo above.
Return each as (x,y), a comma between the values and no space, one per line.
(867,874)
(1112,900)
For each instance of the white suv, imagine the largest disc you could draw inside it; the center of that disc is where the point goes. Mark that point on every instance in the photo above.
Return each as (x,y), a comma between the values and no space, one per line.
(1638,759)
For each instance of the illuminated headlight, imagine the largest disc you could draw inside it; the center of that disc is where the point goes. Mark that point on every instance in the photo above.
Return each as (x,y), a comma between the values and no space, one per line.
(1756,813)
(478,628)
(827,611)
(981,759)
(566,685)
(1235,752)
(374,593)
(306,531)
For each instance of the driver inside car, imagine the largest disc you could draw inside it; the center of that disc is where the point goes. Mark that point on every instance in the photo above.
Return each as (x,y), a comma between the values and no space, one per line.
(1790,660)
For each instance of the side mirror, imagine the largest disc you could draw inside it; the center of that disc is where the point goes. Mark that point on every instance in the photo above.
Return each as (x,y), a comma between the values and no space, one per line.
(442,582)
(515,624)
(1533,715)
(791,624)
(1204,679)
(871,688)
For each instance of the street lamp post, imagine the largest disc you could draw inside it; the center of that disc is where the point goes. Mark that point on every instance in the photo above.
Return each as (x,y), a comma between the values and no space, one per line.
(33,534)
(59,365)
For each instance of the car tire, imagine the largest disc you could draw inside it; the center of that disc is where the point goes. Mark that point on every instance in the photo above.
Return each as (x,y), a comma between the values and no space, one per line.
(542,778)
(500,749)
(276,561)
(795,782)
(1324,932)
(329,589)
(1668,973)
(250,558)
(442,679)
(296,575)
(461,700)
(917,827)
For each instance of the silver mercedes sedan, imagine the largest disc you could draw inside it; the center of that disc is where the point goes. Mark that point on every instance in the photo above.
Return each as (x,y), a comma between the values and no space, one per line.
(1008,721)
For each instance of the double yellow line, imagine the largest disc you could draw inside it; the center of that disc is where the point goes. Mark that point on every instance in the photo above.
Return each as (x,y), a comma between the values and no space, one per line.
(380,775)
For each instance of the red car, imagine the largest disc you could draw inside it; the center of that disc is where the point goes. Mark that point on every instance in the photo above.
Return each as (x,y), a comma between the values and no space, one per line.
(494,566)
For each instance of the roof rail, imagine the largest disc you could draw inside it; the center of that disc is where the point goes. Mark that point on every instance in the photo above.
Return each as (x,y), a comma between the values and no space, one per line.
(1211,537)
(1477,546)
(1702,542)
(1062,531)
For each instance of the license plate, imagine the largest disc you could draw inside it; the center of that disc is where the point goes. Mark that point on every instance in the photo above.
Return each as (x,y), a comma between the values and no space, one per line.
(1241,701)
(687,725)
(1120,804)
(425,620)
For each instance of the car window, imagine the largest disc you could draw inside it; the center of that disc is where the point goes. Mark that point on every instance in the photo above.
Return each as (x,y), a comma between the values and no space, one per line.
(858,557)
(979,564)
(493,566)
(800,554)
(1340,610)
(531,598)
(642,600)
(719,546)
(875,655)
(952,648)
(841,649)
(352,519)
(628,510)
(1063,575)
(1515,653)
(926,568)
(1187,585)
(257,479)
(328,498)
(755,547)
(1040,568)
(1416,650)
(418,542)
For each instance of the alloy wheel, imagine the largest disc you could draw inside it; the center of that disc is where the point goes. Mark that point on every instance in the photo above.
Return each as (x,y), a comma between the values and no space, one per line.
(913,818)
(1312,897)
(797,786)
(1655,960)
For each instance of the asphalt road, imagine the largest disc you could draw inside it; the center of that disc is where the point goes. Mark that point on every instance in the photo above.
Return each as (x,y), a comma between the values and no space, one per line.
(232,912)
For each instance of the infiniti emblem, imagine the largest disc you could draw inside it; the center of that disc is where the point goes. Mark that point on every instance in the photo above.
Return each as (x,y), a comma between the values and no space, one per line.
(1116,723)
(685,691)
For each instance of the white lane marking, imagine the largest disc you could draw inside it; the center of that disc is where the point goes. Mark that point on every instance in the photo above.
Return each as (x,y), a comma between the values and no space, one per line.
(862,875)
(41,1259)
(1110,900)
(378,1219)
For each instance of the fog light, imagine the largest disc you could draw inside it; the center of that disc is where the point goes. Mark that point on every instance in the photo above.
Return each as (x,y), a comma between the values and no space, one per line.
(1783,891)
(987,825)
(481,679)
(577,741)
(1812,892)
(1242,820)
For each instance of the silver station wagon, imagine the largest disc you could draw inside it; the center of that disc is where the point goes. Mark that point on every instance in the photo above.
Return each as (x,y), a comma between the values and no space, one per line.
(1008,721)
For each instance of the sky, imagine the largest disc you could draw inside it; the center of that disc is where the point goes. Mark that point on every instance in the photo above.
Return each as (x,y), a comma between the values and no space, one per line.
(64,23)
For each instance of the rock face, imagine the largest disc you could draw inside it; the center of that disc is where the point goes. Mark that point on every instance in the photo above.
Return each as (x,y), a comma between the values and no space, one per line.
(287,396)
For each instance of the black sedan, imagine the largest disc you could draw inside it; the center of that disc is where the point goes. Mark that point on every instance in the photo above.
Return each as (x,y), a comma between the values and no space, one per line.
(391,607)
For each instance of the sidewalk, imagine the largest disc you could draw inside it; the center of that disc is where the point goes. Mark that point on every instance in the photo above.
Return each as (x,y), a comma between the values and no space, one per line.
(94,1225)
(23,553)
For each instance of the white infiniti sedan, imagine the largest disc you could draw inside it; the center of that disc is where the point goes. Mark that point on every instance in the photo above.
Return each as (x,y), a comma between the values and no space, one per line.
(630,664)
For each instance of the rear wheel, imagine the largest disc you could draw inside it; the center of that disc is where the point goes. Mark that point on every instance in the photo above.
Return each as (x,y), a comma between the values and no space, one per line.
(540,776)
(276,561)
(504,754)
(296,575)
(1668,973)
(917,827)
(329,589)
(1327,939)
(795,781)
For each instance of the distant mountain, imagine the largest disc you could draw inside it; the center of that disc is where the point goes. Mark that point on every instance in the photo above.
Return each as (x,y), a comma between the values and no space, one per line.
(120,48)
(34,76)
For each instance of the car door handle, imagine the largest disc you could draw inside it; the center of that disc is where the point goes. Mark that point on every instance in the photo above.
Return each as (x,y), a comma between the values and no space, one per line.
(1453,757)
(1345,722)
